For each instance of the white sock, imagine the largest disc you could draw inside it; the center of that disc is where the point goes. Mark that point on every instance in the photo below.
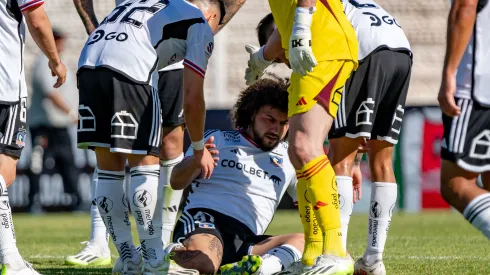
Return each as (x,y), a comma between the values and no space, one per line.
(279,258)
(146,195)
(114,211)
(8,247)
(98,232)
(344,185)
(477,212)
(171,198)
(383,199)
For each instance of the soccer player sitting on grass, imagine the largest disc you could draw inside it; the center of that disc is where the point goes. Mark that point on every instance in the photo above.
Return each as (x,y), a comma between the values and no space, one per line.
(226,215)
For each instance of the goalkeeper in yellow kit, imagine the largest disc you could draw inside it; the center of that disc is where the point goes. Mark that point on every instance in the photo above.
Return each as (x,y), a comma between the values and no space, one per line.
(322,50)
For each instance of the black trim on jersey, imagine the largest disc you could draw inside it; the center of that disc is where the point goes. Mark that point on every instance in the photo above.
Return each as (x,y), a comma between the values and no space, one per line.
(178,30)
(386,47)
(13,10)
(481,4)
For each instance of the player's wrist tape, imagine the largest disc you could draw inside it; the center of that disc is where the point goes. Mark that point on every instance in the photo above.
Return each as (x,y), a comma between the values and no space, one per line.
(303,18)
(262,58)
(198,145)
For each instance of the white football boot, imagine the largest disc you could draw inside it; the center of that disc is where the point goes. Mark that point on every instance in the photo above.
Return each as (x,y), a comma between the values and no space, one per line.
(118,265)
(130,268)
(331,265)
(295,269)
(378,268)
(91,255)
(26,269)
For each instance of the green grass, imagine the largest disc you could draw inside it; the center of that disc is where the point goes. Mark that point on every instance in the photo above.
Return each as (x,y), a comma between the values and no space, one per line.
(429,243)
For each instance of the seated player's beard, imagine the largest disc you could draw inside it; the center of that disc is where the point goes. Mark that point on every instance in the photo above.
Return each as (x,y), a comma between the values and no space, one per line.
(261,142)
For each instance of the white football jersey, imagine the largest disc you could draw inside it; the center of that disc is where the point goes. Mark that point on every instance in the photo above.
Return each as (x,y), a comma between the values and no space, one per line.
(375,27)
(248,183)
(12,33)
(139,37)
(473,75)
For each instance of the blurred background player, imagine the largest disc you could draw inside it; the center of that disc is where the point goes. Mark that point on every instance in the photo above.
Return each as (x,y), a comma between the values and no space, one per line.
(226,215)
(170,91)
(120,112)
(464,98)
(52,114)
(13,107)
(313,30)
(372,108)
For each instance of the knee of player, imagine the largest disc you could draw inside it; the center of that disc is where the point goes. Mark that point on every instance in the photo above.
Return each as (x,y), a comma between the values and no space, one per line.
(299,152)
(381,168)
(344,167)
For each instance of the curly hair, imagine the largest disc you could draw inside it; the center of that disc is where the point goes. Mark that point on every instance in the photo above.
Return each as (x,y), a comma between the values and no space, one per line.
(266,92)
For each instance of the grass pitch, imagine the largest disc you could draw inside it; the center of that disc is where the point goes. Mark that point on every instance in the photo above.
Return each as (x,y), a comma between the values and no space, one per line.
(428,243)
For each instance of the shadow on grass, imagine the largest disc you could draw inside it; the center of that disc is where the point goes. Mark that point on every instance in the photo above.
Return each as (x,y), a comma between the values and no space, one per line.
(74,271)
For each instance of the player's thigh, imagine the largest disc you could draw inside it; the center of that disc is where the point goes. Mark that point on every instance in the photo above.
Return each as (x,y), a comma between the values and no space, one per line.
(465,139)
(323,86)
(269,242)
(170,92)
(136,120)
(391,81)
(198,230)
(13,138)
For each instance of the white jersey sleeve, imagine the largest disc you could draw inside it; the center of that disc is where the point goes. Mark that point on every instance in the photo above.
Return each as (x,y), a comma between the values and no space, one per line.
(25,5)
(292,190)
(209,133)
(200,44)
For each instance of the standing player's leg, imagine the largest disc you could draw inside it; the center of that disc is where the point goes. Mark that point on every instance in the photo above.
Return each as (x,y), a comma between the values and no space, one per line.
(13,127)
(97,251)
(464,159)
(170,91)
(312,107)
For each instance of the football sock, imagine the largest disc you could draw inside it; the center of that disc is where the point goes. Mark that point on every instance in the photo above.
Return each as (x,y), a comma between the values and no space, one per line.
(98,232)
(279,258)
(322,193)
(313,234)
(383,199)
(114,211)
(477,212)
(171,198)
(344,185)
(8,247)
(146,197)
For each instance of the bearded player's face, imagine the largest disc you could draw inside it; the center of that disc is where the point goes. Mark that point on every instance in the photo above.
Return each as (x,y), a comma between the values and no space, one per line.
(269,127)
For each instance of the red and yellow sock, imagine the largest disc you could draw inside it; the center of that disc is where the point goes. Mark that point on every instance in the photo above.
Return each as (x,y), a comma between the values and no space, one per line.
(321,188)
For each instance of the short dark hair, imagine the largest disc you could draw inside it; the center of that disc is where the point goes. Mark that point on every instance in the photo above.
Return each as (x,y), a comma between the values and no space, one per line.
(263,27)
(218,3)
(266,92)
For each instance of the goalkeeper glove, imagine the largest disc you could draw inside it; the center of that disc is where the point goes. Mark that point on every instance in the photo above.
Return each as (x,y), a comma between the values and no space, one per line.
(301,56)
(256,65)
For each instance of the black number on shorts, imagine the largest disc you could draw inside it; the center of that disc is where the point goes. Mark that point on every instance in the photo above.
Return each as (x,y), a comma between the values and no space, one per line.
(120,10)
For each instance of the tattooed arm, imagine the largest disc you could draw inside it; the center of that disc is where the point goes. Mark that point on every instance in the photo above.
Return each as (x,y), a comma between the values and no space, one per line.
(231,7)
(85,9)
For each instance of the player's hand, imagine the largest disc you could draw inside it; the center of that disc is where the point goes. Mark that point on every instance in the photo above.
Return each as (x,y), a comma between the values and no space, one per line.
(59,70)
(301,56)
(446,96)
(357,183)
(256,64)
(212,150)
(205,161)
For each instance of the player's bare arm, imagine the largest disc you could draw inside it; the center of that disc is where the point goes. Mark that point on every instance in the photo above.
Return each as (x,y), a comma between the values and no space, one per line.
(85,9)
(231,8)
(186,171)
(460,27)
(195,114)
(42,33)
